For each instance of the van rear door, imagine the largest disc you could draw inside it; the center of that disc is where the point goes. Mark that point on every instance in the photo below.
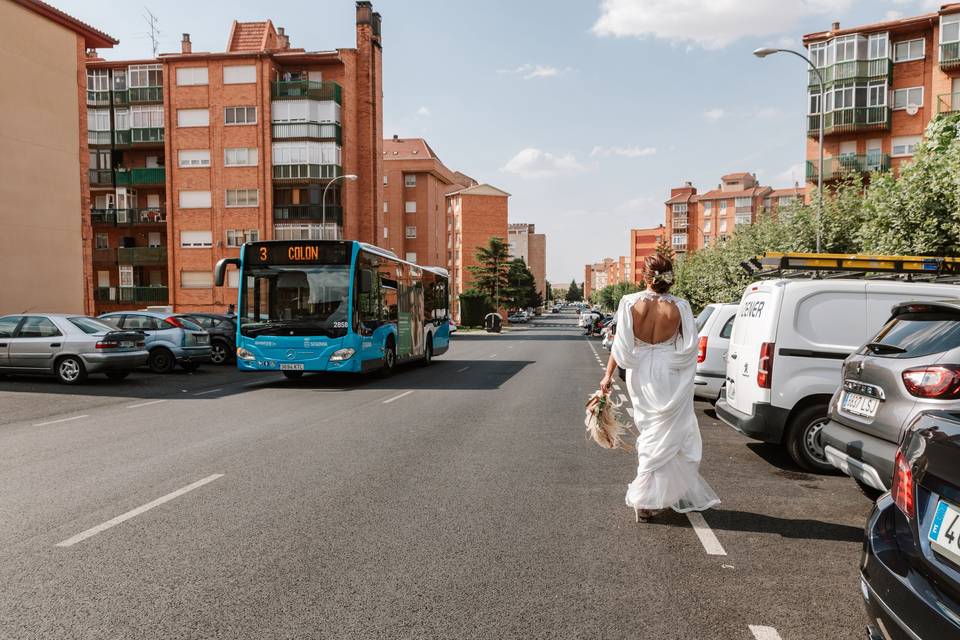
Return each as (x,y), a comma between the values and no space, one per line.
(756,324)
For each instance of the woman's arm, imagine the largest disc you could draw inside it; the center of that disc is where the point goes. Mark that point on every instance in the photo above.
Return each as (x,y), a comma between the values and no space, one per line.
(607,380)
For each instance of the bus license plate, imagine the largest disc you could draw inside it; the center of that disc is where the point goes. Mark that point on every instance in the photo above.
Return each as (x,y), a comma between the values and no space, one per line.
(859,405)
(291,366)
(945,531)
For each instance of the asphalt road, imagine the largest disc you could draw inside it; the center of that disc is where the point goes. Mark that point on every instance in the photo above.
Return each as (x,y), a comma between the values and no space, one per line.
(458,500)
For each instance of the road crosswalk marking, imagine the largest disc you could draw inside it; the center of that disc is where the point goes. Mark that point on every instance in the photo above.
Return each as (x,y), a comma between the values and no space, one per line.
(707,538)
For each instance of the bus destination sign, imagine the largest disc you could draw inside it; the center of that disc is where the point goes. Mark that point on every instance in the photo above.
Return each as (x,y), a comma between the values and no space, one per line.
(281,253)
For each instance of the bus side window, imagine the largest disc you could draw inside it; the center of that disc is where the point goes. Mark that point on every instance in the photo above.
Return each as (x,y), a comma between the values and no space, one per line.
(388,290)
(429,296)
(368,302)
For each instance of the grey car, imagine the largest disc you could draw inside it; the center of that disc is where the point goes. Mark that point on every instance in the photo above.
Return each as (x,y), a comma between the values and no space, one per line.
(69,346)
(912,365)
(172,339)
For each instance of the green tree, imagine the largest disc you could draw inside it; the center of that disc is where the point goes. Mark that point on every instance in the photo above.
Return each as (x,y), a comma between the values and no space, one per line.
(574,293)
(665,248)
(548,291)
(609,297)
(490,274)
(521,290)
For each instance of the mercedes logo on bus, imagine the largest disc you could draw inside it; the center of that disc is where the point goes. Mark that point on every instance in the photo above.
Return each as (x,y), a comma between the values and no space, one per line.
(291,354)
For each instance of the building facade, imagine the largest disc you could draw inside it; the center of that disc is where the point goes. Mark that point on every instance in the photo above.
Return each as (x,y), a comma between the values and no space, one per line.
(43,169)
(532,247)
(884,82)
(192,154)
(643,243)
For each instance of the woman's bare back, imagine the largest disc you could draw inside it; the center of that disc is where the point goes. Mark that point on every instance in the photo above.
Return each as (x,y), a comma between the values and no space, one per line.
(655,321)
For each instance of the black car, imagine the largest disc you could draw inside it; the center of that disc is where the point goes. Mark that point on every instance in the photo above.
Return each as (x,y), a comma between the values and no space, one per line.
(223,335)
(910,572)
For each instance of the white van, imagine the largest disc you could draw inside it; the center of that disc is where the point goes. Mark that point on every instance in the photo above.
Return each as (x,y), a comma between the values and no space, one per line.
(788,343)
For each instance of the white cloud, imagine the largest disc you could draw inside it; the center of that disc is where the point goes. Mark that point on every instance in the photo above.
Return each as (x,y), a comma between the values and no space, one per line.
(536,163)
(710,24)
(529,71)
(424,112)
(626,152)
(715,114)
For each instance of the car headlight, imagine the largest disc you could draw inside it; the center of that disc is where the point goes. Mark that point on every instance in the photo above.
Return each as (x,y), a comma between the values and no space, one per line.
(243,354)
(342,354)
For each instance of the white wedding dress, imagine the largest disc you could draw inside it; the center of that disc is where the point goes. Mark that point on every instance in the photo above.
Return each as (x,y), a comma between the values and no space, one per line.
(660,382)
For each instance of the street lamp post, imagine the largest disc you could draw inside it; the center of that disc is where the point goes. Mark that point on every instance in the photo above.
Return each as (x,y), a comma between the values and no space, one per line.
(763,52)
(323,202)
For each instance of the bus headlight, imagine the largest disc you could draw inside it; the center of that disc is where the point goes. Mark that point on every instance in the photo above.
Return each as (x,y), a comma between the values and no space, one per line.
(243,354)
(342,354)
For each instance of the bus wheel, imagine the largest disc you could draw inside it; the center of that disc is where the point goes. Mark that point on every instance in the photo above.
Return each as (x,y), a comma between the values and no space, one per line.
(389,359)
(428,352)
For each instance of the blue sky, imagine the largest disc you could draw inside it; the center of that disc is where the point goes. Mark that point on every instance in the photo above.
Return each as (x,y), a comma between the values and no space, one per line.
(587,111)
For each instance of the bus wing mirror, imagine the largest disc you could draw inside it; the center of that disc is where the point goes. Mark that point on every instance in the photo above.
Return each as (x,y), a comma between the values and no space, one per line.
(366,281)
(220,271)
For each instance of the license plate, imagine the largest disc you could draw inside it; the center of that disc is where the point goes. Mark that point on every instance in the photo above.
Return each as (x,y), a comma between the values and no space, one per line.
(291,366)
(945,531)
(859,405)
(126,344)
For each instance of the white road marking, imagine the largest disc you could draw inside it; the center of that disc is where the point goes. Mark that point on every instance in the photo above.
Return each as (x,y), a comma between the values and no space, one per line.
(144,404)
(622,397)
(493,355)
(203,393)
(80,537)
(764,633)
(405,393)
(707,538)
(462,370)
(43,424)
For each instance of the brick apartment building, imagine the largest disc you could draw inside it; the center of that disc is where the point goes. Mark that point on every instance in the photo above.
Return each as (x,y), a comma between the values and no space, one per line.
(532,247)
(884,82)
(643,243)
(698,220)
(42,169)
(192,154)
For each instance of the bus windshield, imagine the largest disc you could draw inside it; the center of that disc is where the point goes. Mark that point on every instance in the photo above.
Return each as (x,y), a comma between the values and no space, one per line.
(295,301)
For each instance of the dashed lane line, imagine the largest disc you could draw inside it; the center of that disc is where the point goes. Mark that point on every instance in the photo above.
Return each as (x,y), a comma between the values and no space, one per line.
(203,393)
(144,404)
(43,424)
(707,538)
(80,537)
(405,393)
(763,633)
(462,370)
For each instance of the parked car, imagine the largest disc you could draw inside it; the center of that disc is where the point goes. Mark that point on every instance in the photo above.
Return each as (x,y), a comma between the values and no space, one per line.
(517,318)
(910,569)
(453,326)
(788,343)
(68,346)
(911,365)
(555,310)
(586,317)
(172,339)
(223,335)
(713,341)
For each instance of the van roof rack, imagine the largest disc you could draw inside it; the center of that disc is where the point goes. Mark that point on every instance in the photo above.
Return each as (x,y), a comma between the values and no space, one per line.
(838,265)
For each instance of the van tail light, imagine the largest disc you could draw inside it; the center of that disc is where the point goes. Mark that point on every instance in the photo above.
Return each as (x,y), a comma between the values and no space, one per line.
(902,488)
(175,321)
(702,349)
(107,345)
(765,365)
(940,382)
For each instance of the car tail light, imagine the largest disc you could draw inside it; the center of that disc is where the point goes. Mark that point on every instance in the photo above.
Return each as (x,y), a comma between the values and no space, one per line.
(107,345)
(765,365)
(902,488)
(175,321)
(941,382)
(702,352)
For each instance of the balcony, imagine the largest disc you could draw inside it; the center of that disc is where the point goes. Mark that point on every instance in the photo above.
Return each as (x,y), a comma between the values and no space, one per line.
(306,172)
(98,98)
(853,70)
(128,217)
(850,120)
(312,130)
(101,178)
(948,103)
(130,294)
(329,231)
(742,219)
(313,89)
(141,95)
(142,255)
(950,56)
(834,168)
(121,138)
(98,137)
(141,177)
(121,98)
(147,136)
(334,212)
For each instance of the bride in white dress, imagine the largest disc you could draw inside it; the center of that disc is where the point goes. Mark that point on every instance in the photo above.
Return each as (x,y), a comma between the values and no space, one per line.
(656,342)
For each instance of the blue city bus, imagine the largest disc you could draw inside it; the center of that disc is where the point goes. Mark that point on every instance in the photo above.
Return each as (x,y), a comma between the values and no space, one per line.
(335,305)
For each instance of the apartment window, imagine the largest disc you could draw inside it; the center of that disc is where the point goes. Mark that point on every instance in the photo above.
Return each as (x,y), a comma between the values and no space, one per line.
(723,226)
(723,207)
(233,278)
(707,207)
(742,218)
(240,74)
(842,97)
(707,225)
(814,104)
(410,207)
(305,232)
(820,53)
(98,80)
(102,241)
(950,29)
(411,256)
(146,116)
(242,198)
(195,200)
(126,275)
(411,232)
(904,97)
(144,75)
(908,50)
(194,157)
(904,146)
(119,80)
(384,180)
(187,76)
(241,157)
(845,48)
(236,237)
(196,279)
(679,239)
(193,117)
(121,119)
(98,119)
(240,115)
(706,239)
(196,239)
(877,45)
(306,153)
(743,203)
(322,111)
(386,233)
(409,180)
(386,207)
(877,94)
(680,208)
(783,201)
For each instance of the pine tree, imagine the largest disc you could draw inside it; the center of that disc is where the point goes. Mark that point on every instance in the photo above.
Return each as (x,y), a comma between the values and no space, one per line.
(490,275)
(574,293)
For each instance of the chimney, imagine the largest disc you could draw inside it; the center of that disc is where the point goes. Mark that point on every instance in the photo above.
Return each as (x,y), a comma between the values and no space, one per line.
(282,38)
(364,12)
(185,46)
(396,137)
(835,26)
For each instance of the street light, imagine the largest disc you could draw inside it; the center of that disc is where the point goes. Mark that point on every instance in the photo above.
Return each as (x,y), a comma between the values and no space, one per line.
(323,205)
(763,52)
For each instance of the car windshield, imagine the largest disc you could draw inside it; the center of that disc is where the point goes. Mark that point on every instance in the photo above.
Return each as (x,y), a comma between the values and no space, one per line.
(90,325)
(301,301)
(912,335)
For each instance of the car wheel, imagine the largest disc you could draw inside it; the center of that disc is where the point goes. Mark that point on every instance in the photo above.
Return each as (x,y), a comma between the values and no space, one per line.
(428,352)
(804,442)
(292,375)
(219,353)
(868,491)
(117,375)
(161,360)
(70,370)
(389,363)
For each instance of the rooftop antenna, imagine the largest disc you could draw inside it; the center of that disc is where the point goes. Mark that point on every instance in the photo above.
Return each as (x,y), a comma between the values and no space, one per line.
(154,34)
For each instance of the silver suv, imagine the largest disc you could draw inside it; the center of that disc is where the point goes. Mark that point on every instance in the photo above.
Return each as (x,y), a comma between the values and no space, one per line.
(912,365)
(172,339)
